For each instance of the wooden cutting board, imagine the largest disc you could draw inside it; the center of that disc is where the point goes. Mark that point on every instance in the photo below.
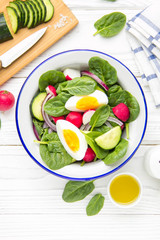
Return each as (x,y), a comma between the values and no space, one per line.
(62,16)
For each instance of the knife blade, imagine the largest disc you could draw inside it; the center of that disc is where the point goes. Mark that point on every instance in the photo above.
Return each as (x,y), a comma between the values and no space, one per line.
(15,52)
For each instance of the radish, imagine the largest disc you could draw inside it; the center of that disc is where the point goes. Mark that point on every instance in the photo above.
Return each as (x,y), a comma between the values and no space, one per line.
(50,89)
(7,100)
(75,118)
(55,119)
(121,111)
(71,73)
(89,155)
(87,116)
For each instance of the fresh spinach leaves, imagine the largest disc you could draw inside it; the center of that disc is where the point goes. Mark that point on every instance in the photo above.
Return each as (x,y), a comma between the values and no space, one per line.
(77,190)
(103,70)
(39,127)
(100,116)
(95,205)
(110,25)
(102,129)
(53,153)
(78,86)
(90,138)
(114,89)
(126,98)
(56,106)
(51,77)
(117,153)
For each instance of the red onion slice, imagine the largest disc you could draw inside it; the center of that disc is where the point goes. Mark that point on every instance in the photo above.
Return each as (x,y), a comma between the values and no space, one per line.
(112,119)
(87,127)
(97,79)
(46,116)
(36,133)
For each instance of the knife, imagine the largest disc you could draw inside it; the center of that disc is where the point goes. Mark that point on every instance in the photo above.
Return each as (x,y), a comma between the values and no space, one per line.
(15,52)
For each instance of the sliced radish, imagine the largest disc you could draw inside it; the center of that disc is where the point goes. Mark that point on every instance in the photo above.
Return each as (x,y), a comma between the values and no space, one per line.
(87,116)
(71,73)
(75,118)
(51,90)
(55,119)
(89,155)
(97,79)
(121,111)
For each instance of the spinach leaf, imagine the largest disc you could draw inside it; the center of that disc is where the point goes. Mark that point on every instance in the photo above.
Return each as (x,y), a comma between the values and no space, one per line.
(53,153)
(115,88)
(77,190)
(110,25)
(103,70)
(102,129)
(56,106)
(90,136)
(95,205)
(39,127)
(78,86)
(51,77)
(128,99)
(100,116)
(117,153)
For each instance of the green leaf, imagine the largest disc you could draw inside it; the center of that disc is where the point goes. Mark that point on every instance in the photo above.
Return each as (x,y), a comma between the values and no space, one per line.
(51,77)
(39,127)
(126,98)
(53,153)
(77,190)
(100,116)
(110,25)
(78,86)
(102,69)
(117,153)
(90,138)
(56,106)
(95,205)
(114,89)
(102,129)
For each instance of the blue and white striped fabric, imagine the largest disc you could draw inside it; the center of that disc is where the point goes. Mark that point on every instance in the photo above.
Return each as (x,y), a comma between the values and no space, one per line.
(144,38)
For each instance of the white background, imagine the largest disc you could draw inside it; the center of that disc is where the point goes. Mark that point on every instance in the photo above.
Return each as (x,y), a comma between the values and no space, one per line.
(31,205)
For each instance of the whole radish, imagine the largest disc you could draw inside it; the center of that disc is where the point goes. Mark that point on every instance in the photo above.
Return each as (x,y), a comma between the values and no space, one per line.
(55,119)
(7,100)
(75,118)
(89,155)
(121,111)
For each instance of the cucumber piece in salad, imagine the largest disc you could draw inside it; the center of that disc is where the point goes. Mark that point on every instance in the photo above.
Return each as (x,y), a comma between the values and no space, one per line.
(36,105)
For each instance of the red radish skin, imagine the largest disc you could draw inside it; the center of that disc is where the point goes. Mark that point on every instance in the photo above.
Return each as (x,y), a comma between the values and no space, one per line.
(121,111)
(87,116)
(50,89)
(68,78)
(89,155)
(7,100)
(55,119)
(75,118)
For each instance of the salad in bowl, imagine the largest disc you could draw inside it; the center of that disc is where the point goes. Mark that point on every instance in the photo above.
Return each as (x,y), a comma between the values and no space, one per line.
(82,117)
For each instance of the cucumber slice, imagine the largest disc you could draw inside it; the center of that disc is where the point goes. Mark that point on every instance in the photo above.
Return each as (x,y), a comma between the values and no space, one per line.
(109,139)
(36,17)
(5,33)
(43,7)
(23,14)
(31,15)
(13,16)
(18,10)
(49,10)
(26,13)
(39,11)
(36,105)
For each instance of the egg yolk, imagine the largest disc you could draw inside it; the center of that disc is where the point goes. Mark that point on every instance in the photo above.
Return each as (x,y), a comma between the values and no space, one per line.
(71,139)
(87,103)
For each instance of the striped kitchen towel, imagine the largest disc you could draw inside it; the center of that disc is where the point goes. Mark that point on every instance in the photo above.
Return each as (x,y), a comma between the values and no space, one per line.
(144,39)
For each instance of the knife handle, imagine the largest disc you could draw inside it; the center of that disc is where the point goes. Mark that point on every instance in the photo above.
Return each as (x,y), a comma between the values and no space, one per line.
(0,65)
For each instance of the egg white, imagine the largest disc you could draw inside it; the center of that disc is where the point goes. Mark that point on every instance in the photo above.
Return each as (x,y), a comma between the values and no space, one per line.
(63,124)
(72,101)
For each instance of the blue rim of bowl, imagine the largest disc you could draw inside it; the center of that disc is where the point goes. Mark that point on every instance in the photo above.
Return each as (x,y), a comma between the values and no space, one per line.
(73,178)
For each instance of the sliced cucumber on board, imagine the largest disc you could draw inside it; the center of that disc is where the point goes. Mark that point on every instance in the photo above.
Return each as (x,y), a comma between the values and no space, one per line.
(38,7)
(18,11)
(49,10)
(23,15)
(14,19)
(31,15)
(43,8)
(5,33)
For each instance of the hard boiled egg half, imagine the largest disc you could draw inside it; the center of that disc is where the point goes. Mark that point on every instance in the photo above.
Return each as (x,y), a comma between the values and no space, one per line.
(84,103)
(72,139)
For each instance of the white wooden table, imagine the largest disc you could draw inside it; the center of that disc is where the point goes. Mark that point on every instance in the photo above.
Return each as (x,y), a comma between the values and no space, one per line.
(31,206)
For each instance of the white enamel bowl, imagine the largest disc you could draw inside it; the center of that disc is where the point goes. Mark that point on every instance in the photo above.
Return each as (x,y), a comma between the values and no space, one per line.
(78,59)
